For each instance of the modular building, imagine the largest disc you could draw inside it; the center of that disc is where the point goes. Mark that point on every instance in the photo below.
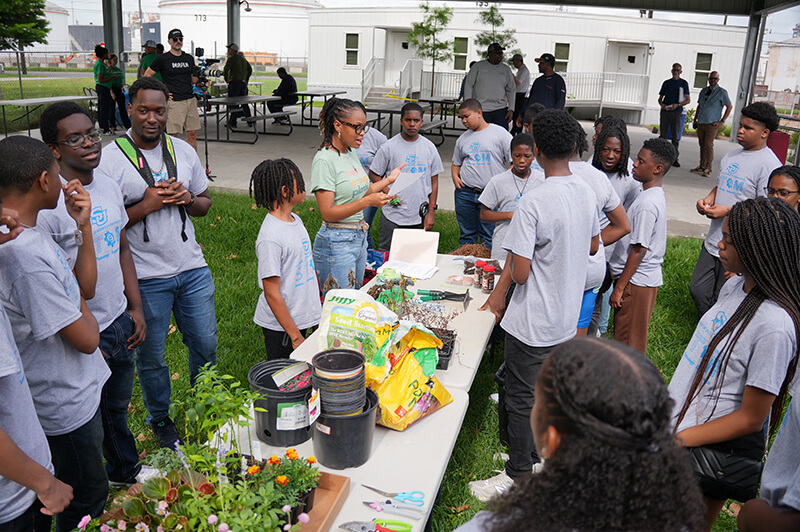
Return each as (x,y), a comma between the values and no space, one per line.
(611,64)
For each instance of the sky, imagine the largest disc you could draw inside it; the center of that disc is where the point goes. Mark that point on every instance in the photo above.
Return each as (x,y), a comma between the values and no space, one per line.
(779,27)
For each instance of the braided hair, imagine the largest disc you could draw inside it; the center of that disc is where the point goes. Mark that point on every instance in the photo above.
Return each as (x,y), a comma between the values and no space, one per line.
(790,171)
(617,466)
(766,235)
(269,178)
(333,110)
(610,132)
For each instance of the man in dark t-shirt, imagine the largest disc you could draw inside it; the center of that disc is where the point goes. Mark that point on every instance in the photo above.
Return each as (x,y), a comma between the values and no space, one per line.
(177,70)
(286,90)
(674,94)
(548,89)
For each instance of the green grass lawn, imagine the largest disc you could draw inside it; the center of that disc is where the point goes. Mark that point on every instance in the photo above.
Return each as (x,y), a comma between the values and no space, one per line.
(228,236)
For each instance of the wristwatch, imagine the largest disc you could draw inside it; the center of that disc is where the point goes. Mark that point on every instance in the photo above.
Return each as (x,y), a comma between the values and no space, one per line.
(191,201)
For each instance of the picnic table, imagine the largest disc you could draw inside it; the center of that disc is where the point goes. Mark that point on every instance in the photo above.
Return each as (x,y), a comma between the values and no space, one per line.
(446,107)
(229,101)
(36,103)
(307,101)
(389,109)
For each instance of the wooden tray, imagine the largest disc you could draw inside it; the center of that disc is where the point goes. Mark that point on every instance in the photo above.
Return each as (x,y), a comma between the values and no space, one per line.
(328,500)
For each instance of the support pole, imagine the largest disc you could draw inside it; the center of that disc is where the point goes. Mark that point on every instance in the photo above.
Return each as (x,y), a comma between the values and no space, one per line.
(112,29)
(234,22)
(747,75)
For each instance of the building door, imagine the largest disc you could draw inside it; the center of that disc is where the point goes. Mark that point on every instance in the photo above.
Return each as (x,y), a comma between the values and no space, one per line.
(632,58)
(626,77)
(398,51)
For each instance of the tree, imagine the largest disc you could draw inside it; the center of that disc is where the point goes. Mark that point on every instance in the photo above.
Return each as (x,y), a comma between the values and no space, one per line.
(423,36)
(507,38)
(22,23)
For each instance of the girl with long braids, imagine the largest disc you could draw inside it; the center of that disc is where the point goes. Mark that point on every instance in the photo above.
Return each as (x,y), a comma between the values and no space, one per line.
(343,191)
(724,401)
(601,421)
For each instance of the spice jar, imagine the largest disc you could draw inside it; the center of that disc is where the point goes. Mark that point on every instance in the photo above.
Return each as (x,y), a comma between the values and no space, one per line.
(488,279)
(479,266)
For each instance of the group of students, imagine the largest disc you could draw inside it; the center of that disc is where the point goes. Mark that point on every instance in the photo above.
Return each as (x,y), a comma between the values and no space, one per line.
(82,285)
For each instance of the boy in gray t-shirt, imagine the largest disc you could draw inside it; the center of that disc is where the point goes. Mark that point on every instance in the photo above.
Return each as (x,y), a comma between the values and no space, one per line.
(415,205)
(636,261)
(55,332)
(744,174)
(373,140)
(551,236)
(481,152)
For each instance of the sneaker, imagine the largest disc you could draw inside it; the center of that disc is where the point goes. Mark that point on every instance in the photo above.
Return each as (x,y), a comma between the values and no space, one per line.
(676,164)
(166,433)
(707,173)
(483,490)
(495,398)
(698,170)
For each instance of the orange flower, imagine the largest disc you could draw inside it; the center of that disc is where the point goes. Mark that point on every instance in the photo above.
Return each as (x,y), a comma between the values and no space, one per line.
(311,460)
(274,459)
(290,451)
(253,470)
(282,480)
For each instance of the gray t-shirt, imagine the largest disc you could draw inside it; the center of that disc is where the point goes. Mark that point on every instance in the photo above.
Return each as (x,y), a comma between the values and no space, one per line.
(742,175)
(648,216)
(41,297)
(166,254)
(283,250)
(492,85)
(553,227)
(422,162)
(18,420)
(780,482)
(759,359)
(373,140)
(607,200)
(502,194)
(482,155)
(108,219)
(627,189)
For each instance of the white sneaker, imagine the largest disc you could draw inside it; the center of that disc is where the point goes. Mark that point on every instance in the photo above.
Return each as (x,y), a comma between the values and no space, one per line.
(495,398)
(483,490)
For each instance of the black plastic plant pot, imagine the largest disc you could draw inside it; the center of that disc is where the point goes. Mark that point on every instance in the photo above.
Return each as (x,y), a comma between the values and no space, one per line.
(340,377)
(285,422)
(346,441)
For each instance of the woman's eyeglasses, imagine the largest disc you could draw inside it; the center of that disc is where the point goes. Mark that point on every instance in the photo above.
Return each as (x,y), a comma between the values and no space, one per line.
(76,141)
(781,193)
(358,128)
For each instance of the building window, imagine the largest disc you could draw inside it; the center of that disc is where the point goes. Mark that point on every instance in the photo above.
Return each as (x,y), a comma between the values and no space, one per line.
(702,68)
(460,47)
(562,56)
(351,48)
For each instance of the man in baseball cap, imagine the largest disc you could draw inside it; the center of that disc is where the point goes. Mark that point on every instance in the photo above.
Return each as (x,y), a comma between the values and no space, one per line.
(147,59)
(548,89)
(236,73)
(233,46)
(492,83)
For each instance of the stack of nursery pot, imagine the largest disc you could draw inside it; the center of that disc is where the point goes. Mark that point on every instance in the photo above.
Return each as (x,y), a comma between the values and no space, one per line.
(346,425)
(284,421)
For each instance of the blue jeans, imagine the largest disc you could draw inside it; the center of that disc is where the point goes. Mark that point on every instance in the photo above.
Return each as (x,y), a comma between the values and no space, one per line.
(497,117)
(78,461)
(33,520)
(468,214)
(190,297)
(342,255)
(119,447)
(369,215)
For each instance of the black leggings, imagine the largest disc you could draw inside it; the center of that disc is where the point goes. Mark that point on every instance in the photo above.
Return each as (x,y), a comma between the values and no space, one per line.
(105,108)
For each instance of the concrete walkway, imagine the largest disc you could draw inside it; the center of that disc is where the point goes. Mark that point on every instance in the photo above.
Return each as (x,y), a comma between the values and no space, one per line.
(232,165)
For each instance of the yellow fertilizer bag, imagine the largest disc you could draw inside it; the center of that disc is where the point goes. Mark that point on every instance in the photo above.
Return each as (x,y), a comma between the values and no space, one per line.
(402,374)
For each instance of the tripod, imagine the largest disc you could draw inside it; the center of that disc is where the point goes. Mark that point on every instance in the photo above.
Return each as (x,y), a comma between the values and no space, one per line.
(206,107)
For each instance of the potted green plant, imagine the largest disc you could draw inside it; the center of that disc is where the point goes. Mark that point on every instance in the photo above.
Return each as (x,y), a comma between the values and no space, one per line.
(298,479)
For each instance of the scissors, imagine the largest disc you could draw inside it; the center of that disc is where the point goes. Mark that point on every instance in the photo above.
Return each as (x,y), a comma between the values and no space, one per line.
(417,498)
(376,525)
(398,508)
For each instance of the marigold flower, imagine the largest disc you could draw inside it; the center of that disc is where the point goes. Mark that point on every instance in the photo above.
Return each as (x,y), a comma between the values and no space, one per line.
(253,470)
(274,459)
(282,480)
(311,460)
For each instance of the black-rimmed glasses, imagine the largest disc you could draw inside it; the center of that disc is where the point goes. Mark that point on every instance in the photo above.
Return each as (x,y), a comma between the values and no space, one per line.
(76,141)
(781,192)
(358,128)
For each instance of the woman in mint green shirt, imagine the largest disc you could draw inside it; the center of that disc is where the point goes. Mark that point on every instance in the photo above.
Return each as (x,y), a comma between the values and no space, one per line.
(343,190)
(103,78)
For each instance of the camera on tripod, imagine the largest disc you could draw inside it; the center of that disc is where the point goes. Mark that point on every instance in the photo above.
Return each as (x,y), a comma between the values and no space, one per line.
(203,71)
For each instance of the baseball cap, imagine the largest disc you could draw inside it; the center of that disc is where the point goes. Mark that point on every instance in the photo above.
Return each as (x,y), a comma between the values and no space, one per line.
(233,46)
(150,44)
(174,33)
(517,57)
(546,57)
(495,47)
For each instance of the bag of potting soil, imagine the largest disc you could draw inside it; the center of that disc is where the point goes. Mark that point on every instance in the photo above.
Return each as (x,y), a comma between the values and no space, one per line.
(402,374)
(353,319)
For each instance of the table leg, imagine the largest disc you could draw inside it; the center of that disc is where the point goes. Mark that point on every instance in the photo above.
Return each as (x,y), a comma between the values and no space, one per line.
(5,126)
(28,119)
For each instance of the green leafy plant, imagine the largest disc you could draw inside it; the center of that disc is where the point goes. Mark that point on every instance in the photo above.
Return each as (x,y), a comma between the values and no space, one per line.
(296,476)
(424,36)
(506,38)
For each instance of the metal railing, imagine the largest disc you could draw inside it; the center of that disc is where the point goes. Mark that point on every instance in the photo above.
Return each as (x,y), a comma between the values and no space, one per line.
(606,88)
(446,84)
(786,102)
(375,70)
(410,78)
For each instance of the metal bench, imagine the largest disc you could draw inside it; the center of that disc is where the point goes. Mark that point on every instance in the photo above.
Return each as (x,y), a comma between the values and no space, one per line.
(436,126)
(263,118)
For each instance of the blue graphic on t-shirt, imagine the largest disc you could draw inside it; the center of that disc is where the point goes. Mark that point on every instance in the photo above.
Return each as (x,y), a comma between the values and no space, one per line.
(70,288)
(163,176)
(702,337)
(99,216)
(477,156)
(301,277)
(731,183)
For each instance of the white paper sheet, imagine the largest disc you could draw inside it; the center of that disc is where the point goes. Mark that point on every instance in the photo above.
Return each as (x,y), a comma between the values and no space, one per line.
(415,246)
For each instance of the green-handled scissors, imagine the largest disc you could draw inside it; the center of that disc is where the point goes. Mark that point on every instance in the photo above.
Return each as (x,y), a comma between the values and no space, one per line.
(376,525)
